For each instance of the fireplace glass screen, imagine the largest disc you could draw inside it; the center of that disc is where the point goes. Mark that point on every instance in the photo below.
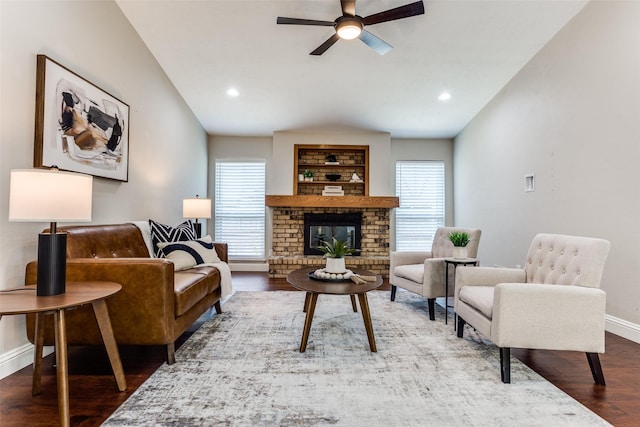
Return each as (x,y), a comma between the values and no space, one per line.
(320,228)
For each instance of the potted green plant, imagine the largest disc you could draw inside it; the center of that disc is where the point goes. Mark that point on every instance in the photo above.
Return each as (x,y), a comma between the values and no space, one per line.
(308,175)
(459,239)
(334,252)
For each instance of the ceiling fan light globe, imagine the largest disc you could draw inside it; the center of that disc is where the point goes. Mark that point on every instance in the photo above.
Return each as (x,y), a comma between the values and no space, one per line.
(349,30)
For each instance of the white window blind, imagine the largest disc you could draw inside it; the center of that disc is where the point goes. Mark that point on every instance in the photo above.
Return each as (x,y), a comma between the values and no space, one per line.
(239,208)
(420,187)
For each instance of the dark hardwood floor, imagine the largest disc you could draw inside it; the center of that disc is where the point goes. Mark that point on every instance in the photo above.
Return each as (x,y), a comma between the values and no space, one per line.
(94,396)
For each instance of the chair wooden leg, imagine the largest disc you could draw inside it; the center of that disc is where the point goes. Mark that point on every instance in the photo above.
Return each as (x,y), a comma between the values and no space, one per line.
(171,353)
(432,308)
(596,368)
(461,324)
(393,292)
(505,364)
(218,307)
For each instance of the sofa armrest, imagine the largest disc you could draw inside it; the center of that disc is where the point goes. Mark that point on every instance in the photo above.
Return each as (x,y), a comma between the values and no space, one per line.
(222,249)
(144,310)
(542,308)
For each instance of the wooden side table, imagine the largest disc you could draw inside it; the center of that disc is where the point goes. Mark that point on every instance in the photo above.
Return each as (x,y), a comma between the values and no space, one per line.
(25,301)
(455,262)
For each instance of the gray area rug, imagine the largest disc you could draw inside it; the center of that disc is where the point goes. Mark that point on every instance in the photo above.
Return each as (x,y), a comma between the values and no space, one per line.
(243,368)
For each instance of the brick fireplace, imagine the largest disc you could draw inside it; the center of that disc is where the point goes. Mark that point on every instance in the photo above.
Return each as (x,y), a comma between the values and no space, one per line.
(288,240)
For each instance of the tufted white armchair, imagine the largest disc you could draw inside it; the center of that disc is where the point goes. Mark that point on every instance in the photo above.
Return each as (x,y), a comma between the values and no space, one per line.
(423,272)
(554,303)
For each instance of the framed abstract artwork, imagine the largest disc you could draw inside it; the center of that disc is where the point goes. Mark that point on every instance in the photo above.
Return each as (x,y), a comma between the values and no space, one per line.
(79,127)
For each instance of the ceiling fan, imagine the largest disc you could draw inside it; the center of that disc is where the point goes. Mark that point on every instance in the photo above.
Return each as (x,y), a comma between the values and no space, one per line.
(350,26)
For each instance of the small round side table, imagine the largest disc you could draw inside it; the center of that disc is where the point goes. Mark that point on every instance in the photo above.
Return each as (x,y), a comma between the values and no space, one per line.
(455,262)
(24,301)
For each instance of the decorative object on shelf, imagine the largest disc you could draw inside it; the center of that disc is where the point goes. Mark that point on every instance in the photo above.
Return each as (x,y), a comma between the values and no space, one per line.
(331,160)
(334,252)
(79,127)
(333,176)
(41,195)
(333,190)
(301,177)
(355,178)
(195,209)
(460,239)
(308,175)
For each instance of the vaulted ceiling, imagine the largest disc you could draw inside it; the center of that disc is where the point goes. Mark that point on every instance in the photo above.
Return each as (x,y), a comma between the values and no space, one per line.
(468,48)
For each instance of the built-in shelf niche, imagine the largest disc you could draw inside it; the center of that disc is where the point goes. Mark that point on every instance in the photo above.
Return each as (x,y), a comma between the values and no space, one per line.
(347,160)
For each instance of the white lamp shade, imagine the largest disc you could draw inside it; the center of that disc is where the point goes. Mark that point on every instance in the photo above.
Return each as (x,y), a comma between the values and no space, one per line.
(42,195)
(196,208)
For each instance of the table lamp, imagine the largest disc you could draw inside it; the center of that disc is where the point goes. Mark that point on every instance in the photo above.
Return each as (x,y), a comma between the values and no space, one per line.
(49,195)
(196,208)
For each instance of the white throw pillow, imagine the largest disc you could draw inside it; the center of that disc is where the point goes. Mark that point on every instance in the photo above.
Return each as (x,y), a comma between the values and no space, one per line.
(190,253)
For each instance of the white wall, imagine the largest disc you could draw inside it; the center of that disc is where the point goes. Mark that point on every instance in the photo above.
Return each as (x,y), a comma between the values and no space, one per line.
(571,117)
(168,147)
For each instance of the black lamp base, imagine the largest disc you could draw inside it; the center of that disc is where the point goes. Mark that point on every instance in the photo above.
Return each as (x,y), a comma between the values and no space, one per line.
(198,227)
(52,263)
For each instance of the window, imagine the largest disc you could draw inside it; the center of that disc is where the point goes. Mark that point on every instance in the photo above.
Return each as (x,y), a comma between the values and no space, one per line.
(239,208)
(420,187)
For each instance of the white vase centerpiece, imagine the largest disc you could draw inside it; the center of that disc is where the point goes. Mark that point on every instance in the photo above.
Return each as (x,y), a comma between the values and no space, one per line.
(335,252)
(460,239)
(335,266)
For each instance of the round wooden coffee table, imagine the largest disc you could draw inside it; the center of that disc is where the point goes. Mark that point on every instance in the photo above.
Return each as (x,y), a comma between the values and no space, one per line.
(300,279)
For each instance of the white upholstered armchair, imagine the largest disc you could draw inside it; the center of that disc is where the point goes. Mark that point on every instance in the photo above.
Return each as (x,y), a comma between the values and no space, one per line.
(554,303)
(423,272)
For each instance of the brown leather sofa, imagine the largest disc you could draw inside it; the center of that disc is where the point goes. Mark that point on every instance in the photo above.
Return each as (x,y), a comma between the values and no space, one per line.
(156,304)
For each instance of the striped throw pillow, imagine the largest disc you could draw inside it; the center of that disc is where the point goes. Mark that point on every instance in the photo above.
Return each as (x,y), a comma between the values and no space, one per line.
(189,254)
(161,233)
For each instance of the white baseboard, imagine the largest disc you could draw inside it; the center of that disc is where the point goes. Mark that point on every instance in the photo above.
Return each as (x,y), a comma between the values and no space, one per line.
(249,266)
(16,359)
(623,328)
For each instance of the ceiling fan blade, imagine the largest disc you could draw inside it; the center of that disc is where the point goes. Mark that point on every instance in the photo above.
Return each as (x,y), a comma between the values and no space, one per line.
(297,21)
(375,42)
(348,7)
(400,12)
(326,45)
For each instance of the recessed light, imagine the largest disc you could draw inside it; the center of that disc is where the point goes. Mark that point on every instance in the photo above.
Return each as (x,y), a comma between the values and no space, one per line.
(444,96)
(233,92)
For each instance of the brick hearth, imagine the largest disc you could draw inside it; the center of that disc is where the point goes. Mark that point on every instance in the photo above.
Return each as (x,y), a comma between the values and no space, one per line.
(288,232)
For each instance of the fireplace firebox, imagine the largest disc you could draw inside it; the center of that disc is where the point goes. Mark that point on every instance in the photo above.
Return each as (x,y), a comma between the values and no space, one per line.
(319,228)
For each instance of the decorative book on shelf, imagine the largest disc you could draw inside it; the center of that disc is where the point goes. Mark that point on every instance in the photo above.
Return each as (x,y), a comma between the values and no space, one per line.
(332,190)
